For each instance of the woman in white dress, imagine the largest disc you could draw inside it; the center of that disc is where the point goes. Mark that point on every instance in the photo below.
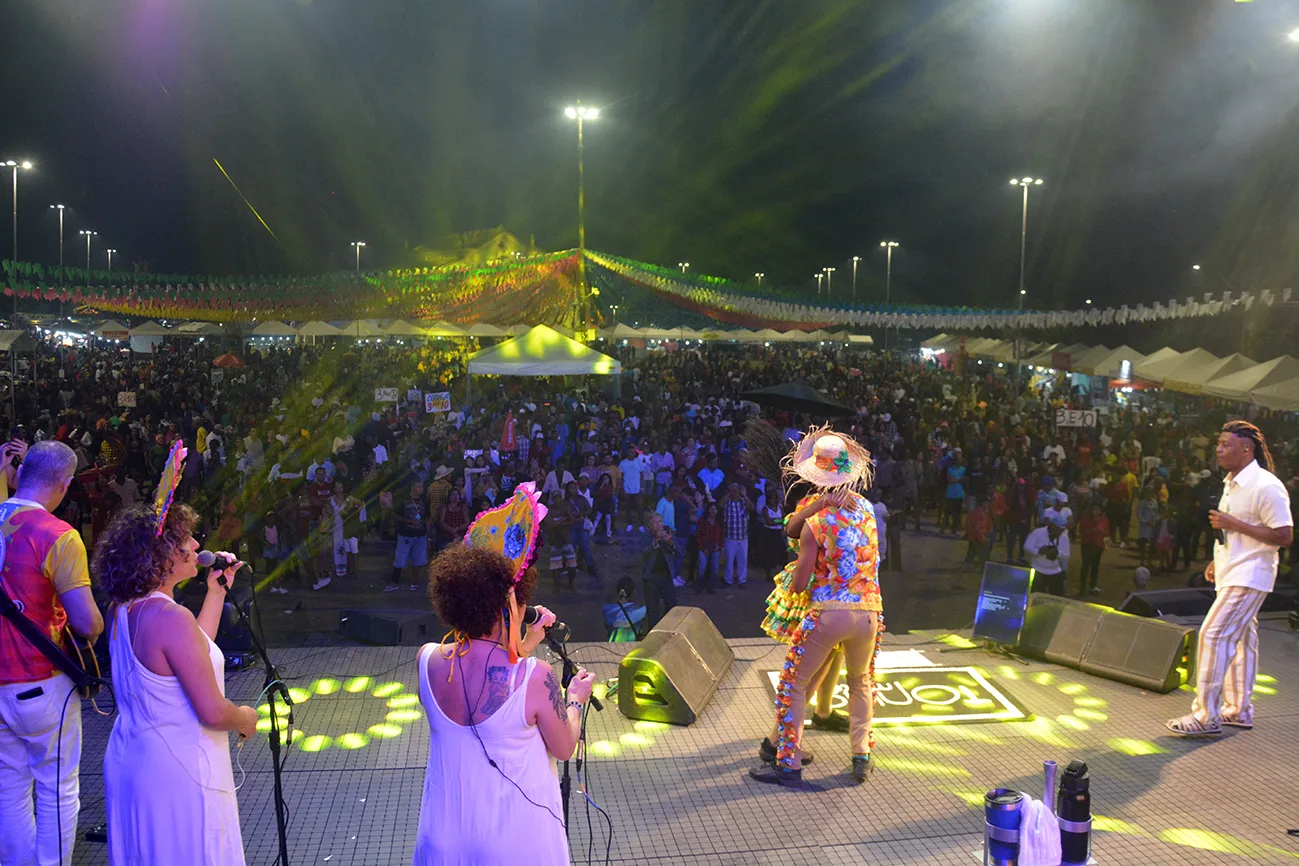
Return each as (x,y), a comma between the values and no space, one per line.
(491,794)
(168,786)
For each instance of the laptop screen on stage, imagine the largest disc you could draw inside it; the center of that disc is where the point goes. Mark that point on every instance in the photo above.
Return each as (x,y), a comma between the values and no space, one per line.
(1003,603)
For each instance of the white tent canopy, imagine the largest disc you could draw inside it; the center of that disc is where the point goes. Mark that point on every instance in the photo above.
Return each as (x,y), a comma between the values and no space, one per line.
(1239,385)
(542,351)
(1157,370)
(444,329)
(1111,364)
(319,329)
(197,329)
(403,328)
(16,341)
(483,329)
(1190,378)
(273,329)
(1282,396)
(111,330)
(1081,362)
(1045,357)
(150,329)
(1165,354)
(361,328)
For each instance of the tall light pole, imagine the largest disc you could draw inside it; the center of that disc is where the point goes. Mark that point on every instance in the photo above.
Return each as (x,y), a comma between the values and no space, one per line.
(684,266)
(829,281)
(888,246)
(59,207)
(759,276)
(819,278)
(1024,182)
(582,113)
(25,164)
(110,259)
(357,246)
(88,235)
(855,260)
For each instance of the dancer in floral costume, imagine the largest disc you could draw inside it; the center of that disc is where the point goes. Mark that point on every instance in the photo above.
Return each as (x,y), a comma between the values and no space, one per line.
(838,571)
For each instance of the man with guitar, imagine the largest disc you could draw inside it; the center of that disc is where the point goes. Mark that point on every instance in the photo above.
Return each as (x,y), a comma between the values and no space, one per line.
(46,576)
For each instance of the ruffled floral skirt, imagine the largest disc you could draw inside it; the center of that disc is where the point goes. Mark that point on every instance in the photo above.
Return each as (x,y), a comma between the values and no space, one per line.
(786,609)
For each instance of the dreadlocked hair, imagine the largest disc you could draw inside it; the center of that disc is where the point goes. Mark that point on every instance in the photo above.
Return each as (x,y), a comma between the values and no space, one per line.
(1255,435)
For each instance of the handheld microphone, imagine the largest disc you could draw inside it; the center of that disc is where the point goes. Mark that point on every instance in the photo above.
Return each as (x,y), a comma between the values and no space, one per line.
(207,559)
(557,631)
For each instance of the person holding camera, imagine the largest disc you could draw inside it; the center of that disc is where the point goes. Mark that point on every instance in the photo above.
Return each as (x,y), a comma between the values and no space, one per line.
(11,457)
(1048,552)
(497,719)
(168,784)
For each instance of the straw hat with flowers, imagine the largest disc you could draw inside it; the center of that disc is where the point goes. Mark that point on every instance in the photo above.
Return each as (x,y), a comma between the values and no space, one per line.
(830,461)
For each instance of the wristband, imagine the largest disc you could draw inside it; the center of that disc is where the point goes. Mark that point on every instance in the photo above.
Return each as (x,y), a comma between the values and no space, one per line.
(576,704)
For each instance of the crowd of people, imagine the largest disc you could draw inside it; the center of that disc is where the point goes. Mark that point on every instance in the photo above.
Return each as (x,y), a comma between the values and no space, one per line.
(294,461)
(295,465)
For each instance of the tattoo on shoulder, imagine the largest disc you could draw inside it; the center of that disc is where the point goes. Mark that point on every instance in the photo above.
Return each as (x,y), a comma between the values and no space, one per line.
(556,696)
(498,689)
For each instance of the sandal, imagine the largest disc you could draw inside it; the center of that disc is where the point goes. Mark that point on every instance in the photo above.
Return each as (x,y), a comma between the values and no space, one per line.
(1237,723)
(1190,726)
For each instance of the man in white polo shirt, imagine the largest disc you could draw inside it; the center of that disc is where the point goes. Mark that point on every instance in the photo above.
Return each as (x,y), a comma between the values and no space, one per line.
(1254,520)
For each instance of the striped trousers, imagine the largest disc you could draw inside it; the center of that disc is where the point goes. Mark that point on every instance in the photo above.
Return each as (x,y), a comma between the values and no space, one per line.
(1227,657)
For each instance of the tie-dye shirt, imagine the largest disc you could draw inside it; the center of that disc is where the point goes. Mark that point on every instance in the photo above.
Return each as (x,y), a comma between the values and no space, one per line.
(848,557)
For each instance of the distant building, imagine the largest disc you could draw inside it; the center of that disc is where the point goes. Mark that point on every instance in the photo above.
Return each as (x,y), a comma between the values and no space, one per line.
(474,248)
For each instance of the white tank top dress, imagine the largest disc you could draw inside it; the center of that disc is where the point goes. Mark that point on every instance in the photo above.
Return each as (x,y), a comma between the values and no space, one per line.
(470,814)
(168,786)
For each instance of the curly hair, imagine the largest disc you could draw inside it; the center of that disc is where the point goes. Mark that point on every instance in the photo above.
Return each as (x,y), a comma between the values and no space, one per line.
(469,585)
(131,559)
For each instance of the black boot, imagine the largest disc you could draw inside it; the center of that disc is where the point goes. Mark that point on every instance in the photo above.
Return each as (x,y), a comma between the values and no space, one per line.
(767,753)
(862,768)
(837,721)
(774,774)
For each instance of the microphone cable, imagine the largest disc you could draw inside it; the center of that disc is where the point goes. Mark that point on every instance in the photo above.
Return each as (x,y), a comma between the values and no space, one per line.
(473,726)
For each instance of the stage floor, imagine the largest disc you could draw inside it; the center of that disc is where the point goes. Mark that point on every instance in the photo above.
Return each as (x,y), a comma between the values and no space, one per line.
(680,795)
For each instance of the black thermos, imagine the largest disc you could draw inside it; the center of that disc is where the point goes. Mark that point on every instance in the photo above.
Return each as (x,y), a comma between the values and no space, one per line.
(1074,811)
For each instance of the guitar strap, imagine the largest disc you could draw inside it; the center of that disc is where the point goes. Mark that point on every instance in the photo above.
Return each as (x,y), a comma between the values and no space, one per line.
(35,635)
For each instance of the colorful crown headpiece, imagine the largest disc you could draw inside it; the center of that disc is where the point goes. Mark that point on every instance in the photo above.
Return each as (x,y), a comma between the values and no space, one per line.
(512,529)
(167,484)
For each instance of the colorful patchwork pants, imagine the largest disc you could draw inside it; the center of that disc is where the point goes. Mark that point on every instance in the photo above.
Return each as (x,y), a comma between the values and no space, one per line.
(813,641)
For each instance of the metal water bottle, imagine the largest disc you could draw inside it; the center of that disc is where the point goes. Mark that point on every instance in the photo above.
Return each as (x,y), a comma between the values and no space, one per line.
(1002,813)
(1074,812)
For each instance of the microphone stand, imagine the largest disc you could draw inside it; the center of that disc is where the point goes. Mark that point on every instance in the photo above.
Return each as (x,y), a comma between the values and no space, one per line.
(273,686)
(570,670)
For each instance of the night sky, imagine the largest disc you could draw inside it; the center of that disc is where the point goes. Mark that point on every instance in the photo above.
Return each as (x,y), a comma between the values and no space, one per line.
(740,136)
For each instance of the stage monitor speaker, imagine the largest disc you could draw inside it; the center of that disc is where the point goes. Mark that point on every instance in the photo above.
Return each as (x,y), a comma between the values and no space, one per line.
(1196,601)
(672,674)
(1187,601)
(1058,629)
(388,627)
(1148,653)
